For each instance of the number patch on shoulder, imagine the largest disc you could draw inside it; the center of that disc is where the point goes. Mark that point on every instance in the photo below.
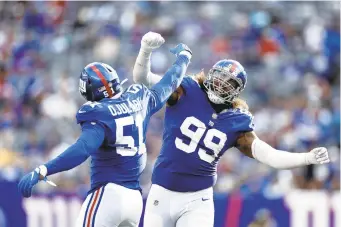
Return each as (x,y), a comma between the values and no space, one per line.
(195,130)
(134,88)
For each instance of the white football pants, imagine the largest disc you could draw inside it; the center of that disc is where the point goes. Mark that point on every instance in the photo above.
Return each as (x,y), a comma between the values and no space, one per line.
(111,206)
(167,208)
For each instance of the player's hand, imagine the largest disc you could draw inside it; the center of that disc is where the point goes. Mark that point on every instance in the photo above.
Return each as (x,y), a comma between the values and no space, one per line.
(318,155)
(151,41)
(182,49)
(31,179)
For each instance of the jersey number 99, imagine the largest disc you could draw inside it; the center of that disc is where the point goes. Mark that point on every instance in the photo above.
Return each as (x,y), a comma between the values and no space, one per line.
(197,135)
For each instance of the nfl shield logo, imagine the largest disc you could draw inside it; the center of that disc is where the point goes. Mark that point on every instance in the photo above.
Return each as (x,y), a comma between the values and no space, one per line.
(156,202)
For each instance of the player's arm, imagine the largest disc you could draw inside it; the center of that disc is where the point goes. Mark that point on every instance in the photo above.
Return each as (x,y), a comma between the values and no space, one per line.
(170,82)
(249,144)
(141,72)
(175,96)
(90,140)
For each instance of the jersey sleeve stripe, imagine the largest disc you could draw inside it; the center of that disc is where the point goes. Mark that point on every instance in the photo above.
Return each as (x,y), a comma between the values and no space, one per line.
(98,204)
(105,83)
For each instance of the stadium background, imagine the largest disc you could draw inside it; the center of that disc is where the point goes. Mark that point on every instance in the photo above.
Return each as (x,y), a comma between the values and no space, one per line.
(291,51)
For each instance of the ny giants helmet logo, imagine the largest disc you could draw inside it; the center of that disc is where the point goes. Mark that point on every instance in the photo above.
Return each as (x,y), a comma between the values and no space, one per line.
(82,86)
(233,69)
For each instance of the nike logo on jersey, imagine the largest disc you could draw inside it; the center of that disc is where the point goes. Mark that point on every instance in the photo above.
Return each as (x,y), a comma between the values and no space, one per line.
(81,111)
(205,199)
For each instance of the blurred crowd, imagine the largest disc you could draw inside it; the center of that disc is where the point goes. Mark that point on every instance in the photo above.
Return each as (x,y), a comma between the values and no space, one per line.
(291,52)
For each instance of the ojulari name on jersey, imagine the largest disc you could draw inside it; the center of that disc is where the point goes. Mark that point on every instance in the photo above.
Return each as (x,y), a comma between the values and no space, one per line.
(123,108)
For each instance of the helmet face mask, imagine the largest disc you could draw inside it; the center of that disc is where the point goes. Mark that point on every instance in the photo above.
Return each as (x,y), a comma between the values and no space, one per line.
(222,87)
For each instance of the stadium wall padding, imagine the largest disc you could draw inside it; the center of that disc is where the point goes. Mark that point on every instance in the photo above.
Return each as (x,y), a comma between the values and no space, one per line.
(295,209)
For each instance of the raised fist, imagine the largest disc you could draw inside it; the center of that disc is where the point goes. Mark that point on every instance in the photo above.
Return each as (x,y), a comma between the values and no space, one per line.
(151,41)
(318,155)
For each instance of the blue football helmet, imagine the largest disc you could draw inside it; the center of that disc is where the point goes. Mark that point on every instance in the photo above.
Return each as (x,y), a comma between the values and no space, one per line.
(225,81)
(97,81)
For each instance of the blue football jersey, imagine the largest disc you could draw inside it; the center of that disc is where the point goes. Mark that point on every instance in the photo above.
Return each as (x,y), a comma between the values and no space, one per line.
(194,139)
(122,156)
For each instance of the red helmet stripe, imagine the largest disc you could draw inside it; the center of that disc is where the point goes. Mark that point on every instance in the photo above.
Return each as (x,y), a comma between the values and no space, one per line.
(233,67)
(105,83)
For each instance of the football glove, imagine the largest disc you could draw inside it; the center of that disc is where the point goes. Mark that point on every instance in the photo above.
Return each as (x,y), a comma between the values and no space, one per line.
(28,181)
(181,49)
(151,41)
(318,155)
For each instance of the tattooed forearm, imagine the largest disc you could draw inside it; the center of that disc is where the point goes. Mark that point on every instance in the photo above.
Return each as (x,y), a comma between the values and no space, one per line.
(173,99)
(244,143)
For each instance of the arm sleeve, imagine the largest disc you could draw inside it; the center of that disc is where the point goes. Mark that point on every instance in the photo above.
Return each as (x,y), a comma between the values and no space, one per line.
(278,159)
(161,91)
(141,72)
(89,141)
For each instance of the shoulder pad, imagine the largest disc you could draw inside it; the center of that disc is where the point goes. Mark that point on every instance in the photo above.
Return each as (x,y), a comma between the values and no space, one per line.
(189,81)
(89,111)
(243,111)
(242,120)
(138,90)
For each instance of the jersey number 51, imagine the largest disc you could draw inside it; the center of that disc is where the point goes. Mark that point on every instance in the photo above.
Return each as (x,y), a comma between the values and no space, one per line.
(130,144)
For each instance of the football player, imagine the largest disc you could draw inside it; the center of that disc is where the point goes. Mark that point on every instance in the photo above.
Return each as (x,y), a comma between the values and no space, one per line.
(204,118)
(114,124)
